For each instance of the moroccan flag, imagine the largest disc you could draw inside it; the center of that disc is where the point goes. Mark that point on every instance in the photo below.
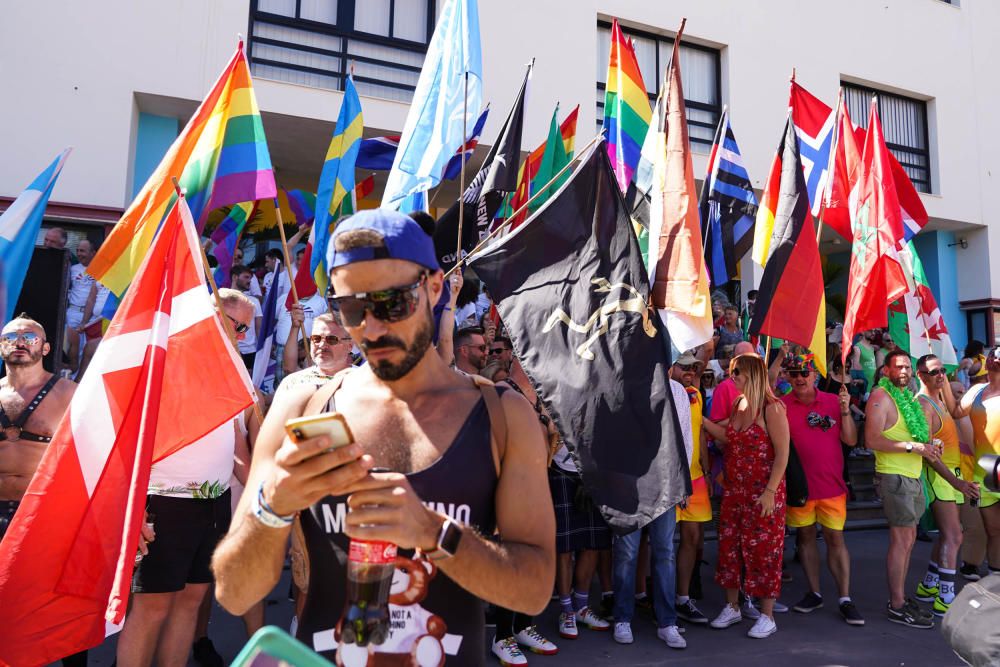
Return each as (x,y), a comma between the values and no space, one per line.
(676,263)
(915,321)
(791,303)
(876,278)
(336,180)
(728,206)
(572,292)
(484,195)
(554,158)
(220,159)
(626,107)
(66,561)
(226,238)
(529,168)
(819,133)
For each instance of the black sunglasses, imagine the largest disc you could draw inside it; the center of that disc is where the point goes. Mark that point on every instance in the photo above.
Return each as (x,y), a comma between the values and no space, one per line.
(239,326)
(498,350)
(936,372)
(798,374)
(735,372)
(389,305)
(688,368)
(316,339)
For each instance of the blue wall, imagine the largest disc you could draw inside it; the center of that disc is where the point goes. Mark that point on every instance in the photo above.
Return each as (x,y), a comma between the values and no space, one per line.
(153,137)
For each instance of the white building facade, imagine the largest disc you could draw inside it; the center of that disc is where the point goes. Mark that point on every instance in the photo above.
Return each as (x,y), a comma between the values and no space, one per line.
(117,80)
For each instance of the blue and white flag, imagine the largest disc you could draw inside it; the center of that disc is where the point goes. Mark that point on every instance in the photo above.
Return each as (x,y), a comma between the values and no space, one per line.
(19,227)
(728,206)
(440,111)
(268,326)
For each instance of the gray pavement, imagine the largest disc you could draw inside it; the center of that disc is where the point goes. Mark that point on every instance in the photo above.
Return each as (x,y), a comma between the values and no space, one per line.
(820,639)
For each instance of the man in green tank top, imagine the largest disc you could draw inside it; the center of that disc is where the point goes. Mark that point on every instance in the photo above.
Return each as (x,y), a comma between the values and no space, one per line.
(896,429)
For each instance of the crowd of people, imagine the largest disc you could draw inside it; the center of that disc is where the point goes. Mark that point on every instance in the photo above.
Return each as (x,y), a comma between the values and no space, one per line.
(433,391)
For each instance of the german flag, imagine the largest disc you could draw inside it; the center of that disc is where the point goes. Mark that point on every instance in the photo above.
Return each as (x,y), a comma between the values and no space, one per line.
(791,304)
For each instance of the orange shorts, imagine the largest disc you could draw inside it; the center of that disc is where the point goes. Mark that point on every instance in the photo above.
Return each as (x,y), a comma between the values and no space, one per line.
(830,513)
(699,508)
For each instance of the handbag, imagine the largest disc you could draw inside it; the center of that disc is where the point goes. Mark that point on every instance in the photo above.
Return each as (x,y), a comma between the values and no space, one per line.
(972,625)
(796,486)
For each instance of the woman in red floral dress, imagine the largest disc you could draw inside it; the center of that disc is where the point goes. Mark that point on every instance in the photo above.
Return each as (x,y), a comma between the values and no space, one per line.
(752,519)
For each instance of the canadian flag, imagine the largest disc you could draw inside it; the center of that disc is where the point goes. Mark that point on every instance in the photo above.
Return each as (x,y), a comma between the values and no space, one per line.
(67,558)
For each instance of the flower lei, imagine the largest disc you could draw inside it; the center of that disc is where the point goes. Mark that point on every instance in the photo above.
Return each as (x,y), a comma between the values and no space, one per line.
(909,408)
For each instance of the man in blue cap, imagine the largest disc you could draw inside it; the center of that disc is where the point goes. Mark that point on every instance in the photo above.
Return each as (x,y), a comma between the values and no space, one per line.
(466,461)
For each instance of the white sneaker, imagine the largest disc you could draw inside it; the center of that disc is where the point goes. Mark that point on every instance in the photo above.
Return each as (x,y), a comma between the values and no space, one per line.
(749,610)
(509,652)
(623,633)
(588,618)
(567,625)
(764,627)
(532,640)
(670,635)
(728,616)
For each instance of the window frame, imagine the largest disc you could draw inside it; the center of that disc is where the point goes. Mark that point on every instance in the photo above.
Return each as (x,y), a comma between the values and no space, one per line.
(693,104)
(924,152)
(345,16)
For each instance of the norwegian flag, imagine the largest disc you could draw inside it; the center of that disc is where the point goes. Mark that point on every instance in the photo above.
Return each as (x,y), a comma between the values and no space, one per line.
(66,561)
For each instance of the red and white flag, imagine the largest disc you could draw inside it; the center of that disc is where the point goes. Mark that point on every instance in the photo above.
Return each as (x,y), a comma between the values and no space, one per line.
(66,561)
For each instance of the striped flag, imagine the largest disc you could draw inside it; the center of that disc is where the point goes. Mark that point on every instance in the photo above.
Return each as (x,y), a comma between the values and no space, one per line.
(728,206)
(454,168)
(677,276)
(626,108)
(67,558)
(528,173)
(337,178)
(791,303)
(220,159)
(19,227)
(226,238)
(268,325)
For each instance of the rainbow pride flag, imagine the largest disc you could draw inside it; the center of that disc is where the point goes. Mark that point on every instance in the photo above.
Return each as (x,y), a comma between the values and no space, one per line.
(336,180)
(227,236)
(220,158)
(626,108)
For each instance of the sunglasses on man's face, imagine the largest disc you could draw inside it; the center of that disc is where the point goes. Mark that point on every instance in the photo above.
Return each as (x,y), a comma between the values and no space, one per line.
(798,374)
(687,368)
(29,338)
(329,341)
(481,347)
(239,326)
(498,350)
(389,305)
(936,372)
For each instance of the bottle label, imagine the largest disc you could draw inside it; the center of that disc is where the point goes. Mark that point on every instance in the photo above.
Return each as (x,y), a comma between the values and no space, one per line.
(378,553)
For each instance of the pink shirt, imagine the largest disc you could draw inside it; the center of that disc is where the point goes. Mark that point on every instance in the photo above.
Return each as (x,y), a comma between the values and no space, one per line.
(722,400)
(818,449)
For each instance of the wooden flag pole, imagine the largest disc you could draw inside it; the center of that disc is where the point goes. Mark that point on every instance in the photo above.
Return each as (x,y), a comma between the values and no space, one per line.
(226,325)
(288,271)
(525,205)
(461,185)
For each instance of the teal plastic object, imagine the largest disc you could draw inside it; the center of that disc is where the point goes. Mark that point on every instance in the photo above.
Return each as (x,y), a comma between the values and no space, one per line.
(273,647)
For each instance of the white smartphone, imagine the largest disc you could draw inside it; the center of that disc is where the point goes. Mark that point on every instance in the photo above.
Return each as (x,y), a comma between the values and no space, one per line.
(331,424)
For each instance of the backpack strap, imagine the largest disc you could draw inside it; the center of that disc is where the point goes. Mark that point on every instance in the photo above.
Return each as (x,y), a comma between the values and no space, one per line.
(498,418)
(323,395)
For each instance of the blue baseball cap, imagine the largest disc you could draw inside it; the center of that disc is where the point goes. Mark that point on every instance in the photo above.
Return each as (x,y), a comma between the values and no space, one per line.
(402,238)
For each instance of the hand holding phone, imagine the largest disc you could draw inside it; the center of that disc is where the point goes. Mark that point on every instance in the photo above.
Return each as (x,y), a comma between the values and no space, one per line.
(319,458)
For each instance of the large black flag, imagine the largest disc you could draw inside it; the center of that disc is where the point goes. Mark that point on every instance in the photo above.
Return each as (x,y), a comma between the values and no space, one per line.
(573,293)
(484,195)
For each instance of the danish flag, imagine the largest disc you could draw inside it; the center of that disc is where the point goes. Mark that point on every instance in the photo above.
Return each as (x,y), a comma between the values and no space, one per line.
(67,558)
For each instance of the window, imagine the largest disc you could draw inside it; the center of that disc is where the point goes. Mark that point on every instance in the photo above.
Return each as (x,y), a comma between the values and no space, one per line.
(904,124)
(317,42)
(700,75)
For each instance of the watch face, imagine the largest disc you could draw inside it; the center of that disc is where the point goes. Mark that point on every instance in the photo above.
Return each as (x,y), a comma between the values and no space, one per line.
(450,538)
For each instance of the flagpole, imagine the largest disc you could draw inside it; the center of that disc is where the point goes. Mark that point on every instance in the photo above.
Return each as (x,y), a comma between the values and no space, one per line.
(525,205)
(461,184)
(288,270)
(226,326)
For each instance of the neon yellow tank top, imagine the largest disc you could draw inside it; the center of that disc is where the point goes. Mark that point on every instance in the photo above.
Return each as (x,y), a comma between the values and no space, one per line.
(899,463)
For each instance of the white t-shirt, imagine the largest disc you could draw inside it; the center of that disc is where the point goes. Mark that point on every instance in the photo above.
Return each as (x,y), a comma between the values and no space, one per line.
(313,306)
(201,470)
(79,286)
(254,290)
(283,289)
(249,342)
(683,403)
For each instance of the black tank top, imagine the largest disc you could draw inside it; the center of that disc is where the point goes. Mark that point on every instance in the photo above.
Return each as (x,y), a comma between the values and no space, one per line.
(431,610)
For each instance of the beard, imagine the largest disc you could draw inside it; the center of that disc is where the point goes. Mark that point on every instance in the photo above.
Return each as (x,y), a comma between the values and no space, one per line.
(34,356)
(900,381)
(389,371)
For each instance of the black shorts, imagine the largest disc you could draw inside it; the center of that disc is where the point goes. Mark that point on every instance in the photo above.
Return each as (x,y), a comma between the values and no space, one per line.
(7,510)
(187,532)
(248,359)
